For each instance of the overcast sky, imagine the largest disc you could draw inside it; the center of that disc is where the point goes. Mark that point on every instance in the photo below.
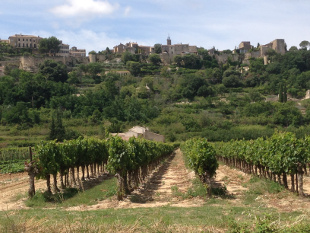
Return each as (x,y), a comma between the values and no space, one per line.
(97,24)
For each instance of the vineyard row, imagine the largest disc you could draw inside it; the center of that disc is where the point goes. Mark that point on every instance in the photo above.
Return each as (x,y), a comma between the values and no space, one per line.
(130,161)
(275,158)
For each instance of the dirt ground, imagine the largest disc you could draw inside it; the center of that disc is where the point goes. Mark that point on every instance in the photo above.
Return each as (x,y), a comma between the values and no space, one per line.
(160,190)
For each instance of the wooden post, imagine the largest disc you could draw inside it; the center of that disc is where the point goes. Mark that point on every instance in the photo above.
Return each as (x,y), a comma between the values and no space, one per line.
(300,174)
(31,172)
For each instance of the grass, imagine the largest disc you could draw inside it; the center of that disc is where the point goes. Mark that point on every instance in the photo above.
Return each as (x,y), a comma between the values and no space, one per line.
(259,186)
(73,197)
(221,213)
(218,214)
(207,218)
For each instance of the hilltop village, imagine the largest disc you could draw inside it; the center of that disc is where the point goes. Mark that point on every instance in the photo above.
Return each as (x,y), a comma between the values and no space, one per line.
(29,45)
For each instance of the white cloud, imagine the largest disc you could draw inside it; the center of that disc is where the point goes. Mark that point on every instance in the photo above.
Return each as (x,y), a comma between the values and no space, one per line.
(127,11)
(88,39)
(77,8)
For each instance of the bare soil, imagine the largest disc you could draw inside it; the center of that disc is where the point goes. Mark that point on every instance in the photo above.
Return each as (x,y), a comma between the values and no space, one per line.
(164,186)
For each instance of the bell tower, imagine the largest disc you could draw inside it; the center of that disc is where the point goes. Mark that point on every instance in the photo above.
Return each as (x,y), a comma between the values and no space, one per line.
(168,41)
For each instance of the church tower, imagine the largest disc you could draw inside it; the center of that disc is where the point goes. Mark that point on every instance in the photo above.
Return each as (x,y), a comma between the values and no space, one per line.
(168,41)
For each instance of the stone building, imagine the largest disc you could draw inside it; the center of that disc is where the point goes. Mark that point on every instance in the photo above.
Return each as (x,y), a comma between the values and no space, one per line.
(147,50)
(4,41)
(119,49)
(178,49)
(24,41)
(133,48)
(75,52)
(143,132)
(277,45)
(64,50)
(169,51)
(245,46)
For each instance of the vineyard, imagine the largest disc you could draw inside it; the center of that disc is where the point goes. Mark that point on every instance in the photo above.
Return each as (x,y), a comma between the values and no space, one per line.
(147,176)
(130,161)
(13,159)
(276,158)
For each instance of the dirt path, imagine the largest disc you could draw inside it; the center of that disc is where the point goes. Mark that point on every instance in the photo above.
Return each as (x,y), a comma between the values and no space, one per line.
(159,190)
(15,186)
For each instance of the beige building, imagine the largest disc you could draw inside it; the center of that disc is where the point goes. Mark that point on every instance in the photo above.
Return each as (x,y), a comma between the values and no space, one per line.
(277,45)
(245,46)
(178,49)
(169,51)
(145,49)
(133,48)
(64,50)
(4,41)
(143,132)
(24,41)
(74,52)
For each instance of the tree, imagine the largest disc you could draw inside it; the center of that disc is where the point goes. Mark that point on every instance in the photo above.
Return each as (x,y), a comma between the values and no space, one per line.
(257,65)
(293,49)
(281,93)
(304,44)
(127,56)
(49,45)
(157,48)
(57,130)
(190,61)
(232,81)
(94,70)
(54,71)
(134,67)
(155,59)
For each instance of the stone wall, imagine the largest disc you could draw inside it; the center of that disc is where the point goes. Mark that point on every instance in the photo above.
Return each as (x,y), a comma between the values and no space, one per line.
(166,58)
(31,64)
(13,62)
(223,58)
(97,58)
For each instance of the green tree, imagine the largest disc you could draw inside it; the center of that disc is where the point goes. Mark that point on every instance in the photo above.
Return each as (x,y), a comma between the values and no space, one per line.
(54,71)
(127,56)
(287,114)
(95,70)
(293,49)
(157,48)
(49,45)
(281,93)
(57,130)
(155,59)
(190,61)
(304,44)
(134,67)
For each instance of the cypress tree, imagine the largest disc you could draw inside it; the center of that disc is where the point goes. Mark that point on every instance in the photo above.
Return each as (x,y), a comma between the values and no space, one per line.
(284,94)
(60,129)
(281,93)
(57,130)
(52,134)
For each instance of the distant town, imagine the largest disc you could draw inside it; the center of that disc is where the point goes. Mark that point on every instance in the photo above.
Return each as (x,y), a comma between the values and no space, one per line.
(166,51)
